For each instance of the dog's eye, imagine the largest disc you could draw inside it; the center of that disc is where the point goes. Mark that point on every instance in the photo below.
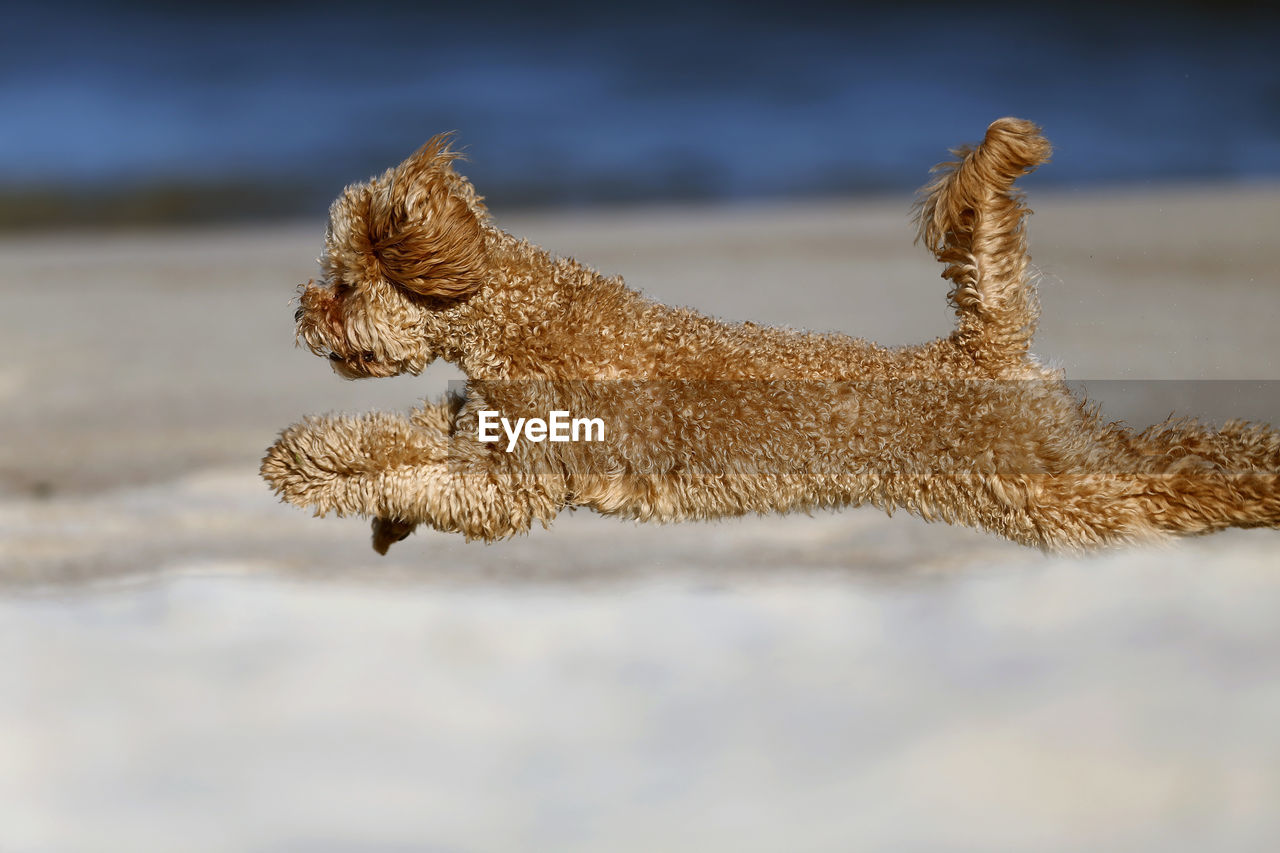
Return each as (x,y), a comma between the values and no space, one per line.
(368,356)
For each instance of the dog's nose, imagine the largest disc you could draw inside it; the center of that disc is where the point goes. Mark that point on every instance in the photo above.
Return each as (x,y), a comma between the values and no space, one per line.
(297,315)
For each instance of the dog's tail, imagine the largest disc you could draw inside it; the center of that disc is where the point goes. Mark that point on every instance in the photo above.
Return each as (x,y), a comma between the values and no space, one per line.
(971,218)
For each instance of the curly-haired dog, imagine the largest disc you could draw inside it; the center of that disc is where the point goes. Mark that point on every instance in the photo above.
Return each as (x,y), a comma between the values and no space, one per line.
(704,419)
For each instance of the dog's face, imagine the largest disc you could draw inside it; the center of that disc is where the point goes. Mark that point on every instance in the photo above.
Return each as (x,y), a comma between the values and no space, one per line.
(399,250)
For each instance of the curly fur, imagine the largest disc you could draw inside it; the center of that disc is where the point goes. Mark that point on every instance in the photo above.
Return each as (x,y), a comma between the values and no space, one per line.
(707,419)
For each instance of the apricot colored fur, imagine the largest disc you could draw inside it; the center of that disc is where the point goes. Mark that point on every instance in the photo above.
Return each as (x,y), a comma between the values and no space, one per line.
(706,419)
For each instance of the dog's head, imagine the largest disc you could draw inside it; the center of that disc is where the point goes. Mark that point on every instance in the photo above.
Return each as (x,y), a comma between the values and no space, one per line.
(399,250)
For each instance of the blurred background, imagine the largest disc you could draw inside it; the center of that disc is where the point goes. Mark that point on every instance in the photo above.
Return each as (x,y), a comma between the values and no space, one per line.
(157,112)
(186,664)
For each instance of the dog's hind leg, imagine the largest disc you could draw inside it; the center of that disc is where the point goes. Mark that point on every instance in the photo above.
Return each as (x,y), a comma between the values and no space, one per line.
(1176,479)
(971,218)
(1204,479)
(1238,447)
(1188,499)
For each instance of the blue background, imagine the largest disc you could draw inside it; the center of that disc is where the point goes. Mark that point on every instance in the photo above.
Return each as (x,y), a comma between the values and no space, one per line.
(248,110)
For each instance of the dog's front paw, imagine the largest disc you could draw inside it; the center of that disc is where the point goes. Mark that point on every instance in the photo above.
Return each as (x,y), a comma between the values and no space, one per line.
(389,531)
(317,462)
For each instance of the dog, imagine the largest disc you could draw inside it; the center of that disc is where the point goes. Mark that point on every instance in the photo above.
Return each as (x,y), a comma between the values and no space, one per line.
(704,419)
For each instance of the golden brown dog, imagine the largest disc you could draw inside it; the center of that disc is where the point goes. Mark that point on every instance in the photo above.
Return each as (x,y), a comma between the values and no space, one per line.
(703,419)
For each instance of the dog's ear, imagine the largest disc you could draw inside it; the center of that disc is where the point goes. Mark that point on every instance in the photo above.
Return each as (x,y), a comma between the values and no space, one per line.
(425,224)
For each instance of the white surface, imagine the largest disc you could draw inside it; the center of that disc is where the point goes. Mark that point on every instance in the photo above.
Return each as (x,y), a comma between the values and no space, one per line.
(187,665)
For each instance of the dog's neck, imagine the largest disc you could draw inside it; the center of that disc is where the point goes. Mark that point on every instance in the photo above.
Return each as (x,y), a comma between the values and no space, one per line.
(524,319)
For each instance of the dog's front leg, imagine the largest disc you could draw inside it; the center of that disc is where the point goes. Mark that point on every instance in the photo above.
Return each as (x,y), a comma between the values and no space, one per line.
(403,472)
